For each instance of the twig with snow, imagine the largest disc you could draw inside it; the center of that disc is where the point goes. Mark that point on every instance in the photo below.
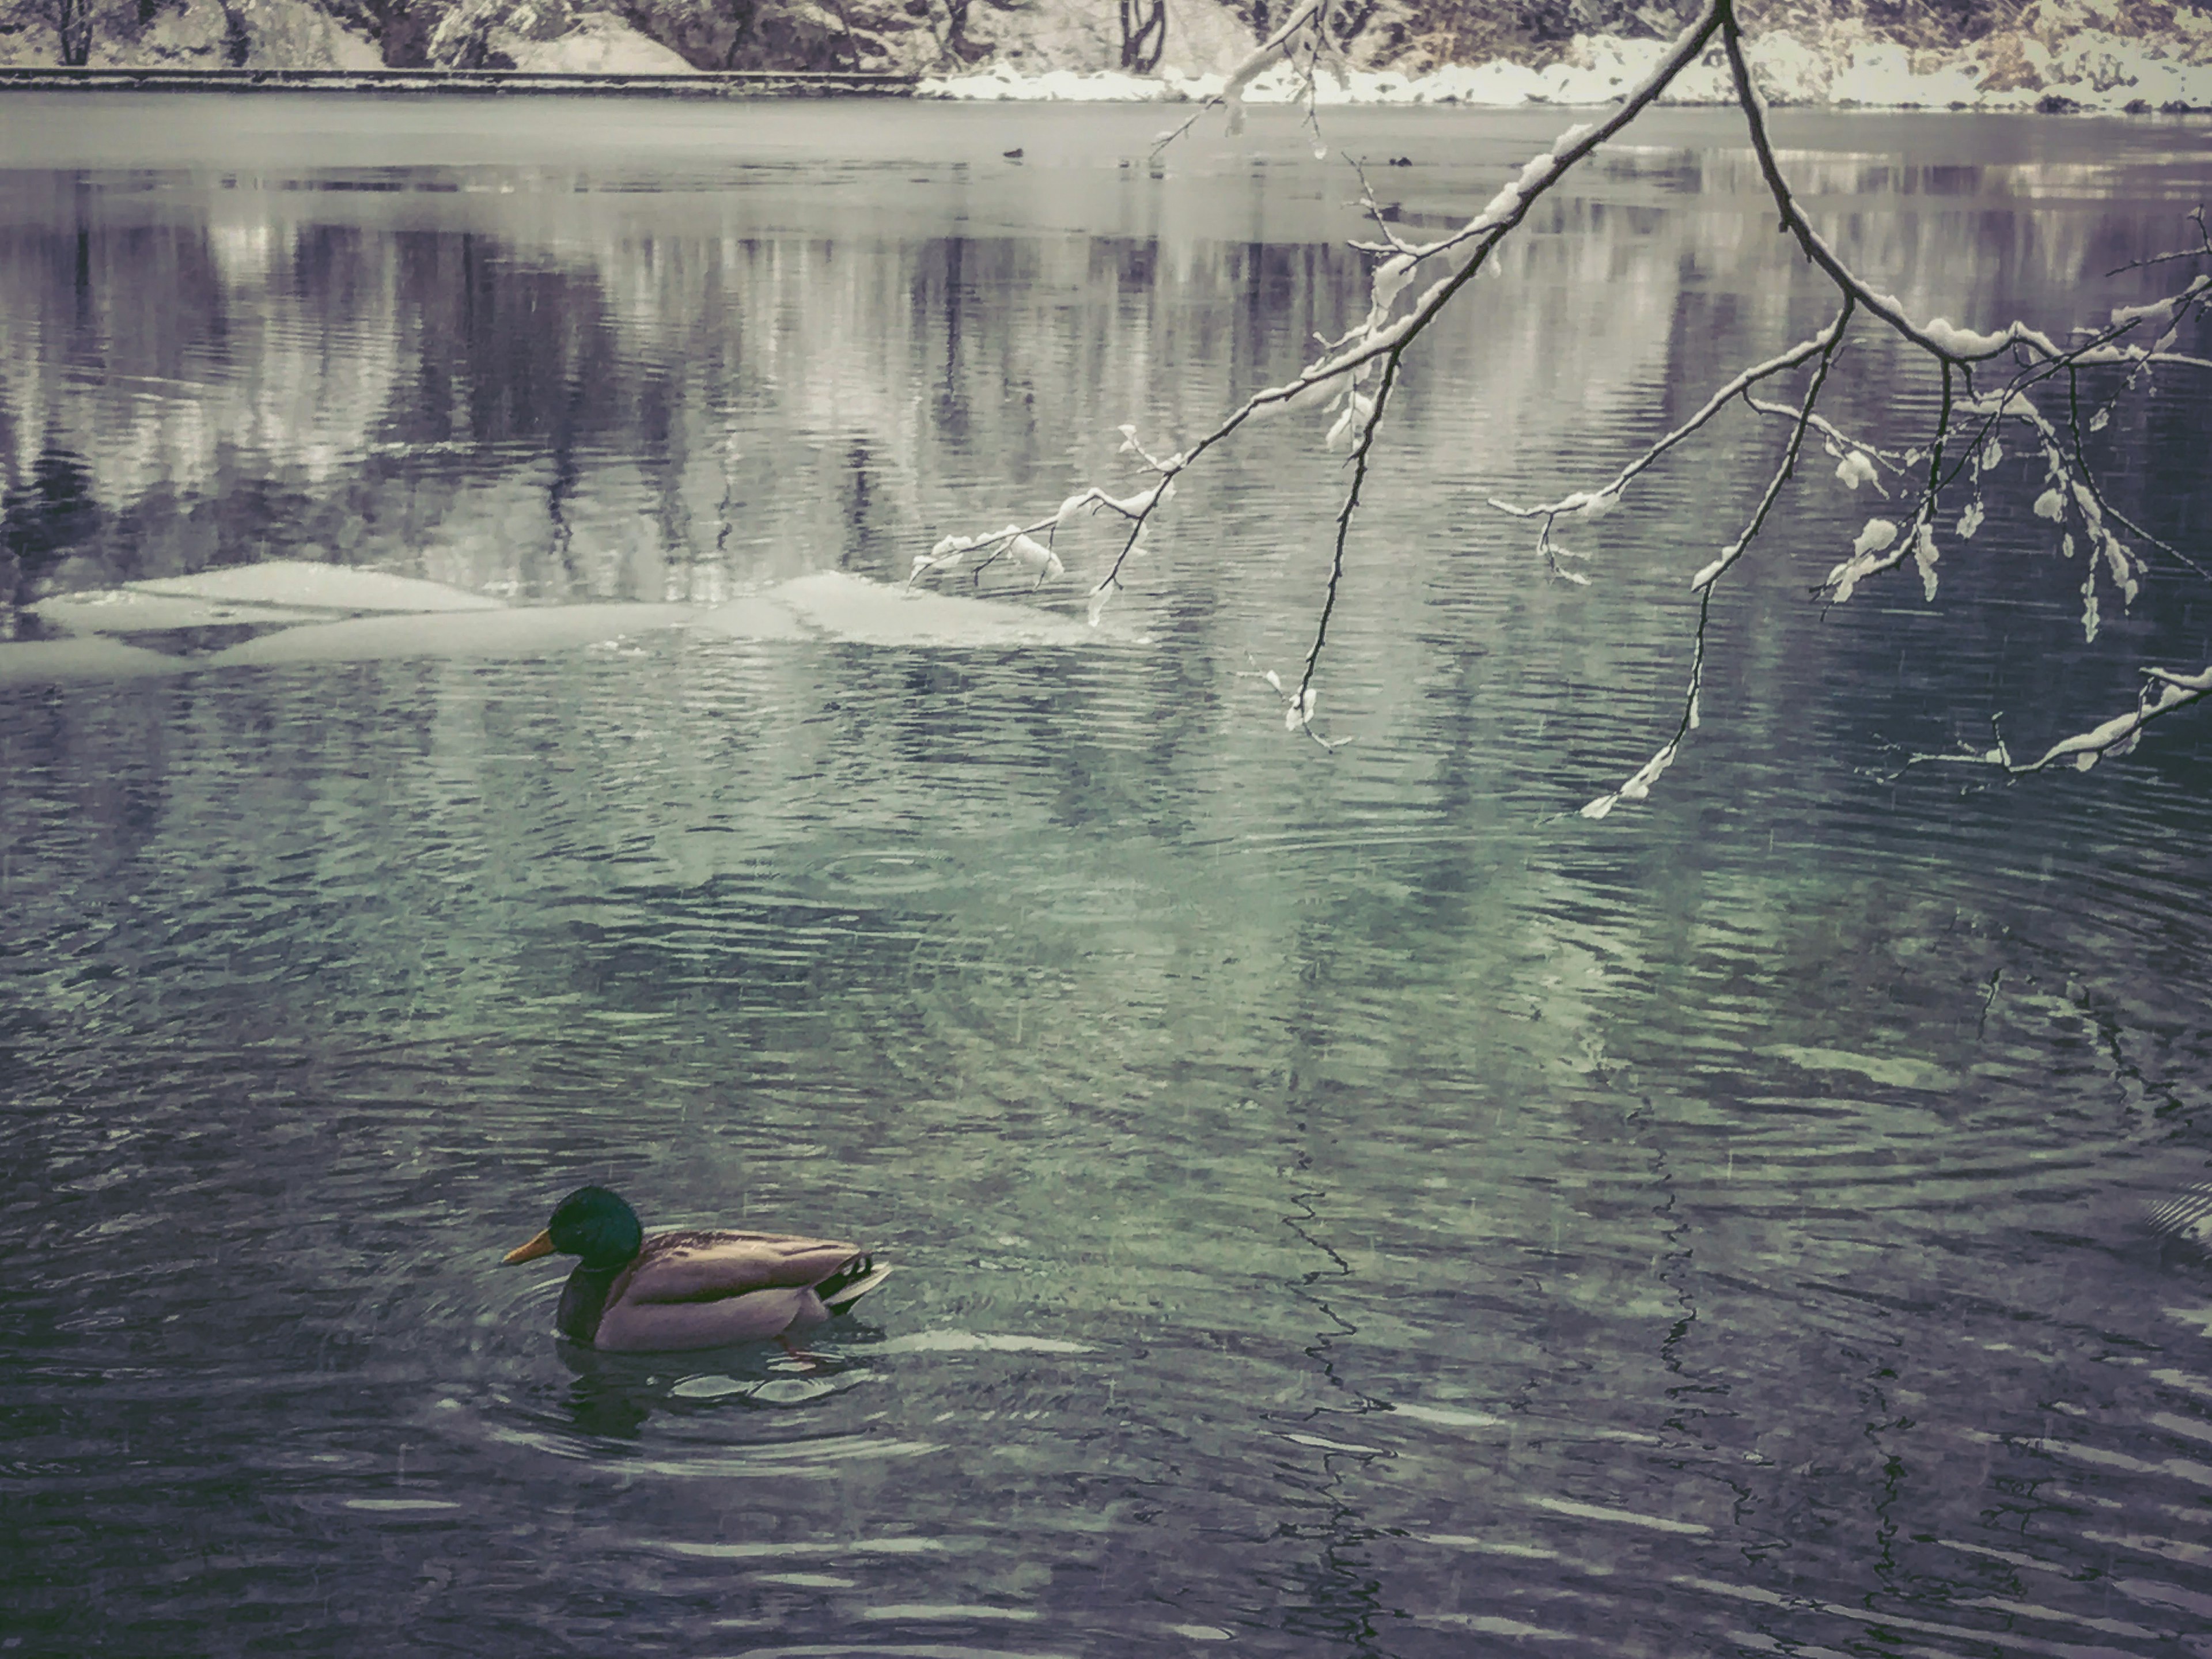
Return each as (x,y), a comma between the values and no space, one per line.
(1353,376)
(1309,18)
(2164,692)
(1334,379)
(2205,246)
(1638,786)
(1593,504)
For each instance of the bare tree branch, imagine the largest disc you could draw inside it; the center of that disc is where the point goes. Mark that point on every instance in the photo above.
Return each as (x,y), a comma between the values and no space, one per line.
(1580,501)
(2205,241)
(1959,454)
(1278,47)
(2164,692)
(1639,786)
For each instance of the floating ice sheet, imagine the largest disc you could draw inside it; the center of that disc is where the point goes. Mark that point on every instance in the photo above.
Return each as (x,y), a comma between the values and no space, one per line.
(320,586)
(131,610)
(755,616)
(46,662)
(313,613)
(521,633)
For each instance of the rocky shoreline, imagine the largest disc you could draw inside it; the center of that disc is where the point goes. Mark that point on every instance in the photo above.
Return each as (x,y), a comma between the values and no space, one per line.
(690,83)
(2057,57)
(1490,86)
(1879,80)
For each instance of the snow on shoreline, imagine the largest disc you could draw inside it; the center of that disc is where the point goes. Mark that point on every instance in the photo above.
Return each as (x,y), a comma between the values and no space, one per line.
(2089,71)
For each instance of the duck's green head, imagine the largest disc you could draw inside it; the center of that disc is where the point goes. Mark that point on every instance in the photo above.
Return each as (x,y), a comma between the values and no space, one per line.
(592,1223)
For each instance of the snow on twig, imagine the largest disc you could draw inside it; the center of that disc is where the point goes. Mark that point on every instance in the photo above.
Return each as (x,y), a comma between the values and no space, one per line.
(1334,379)
(1350,379)
(1306,18)
(1830,341)
(2204,247)
(1581,500)
(2164,692)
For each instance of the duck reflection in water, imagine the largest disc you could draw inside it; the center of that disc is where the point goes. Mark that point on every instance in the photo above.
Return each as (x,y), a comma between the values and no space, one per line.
(610,1400)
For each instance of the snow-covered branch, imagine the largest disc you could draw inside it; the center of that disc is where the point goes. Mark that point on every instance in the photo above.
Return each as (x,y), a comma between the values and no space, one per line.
(1994,384)
(2164,692)
(1581,499)
(1830,341)
(1335,380)
(1305,29)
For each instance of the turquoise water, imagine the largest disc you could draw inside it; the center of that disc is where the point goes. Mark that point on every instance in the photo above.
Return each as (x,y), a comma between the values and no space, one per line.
(1345,1202)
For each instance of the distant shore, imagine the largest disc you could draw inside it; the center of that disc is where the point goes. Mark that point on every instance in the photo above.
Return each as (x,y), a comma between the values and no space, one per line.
(699,83)
(2091,75)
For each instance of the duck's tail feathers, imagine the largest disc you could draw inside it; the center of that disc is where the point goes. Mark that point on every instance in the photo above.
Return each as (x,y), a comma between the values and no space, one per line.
(2187,1217)
(848,1284)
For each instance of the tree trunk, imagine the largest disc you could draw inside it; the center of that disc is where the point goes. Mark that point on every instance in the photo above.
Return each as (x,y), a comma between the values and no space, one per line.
(404,32)
(237,41)
(73,22)
(1143,34)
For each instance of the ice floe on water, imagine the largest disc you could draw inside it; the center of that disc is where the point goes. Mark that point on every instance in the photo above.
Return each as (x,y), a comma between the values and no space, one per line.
(531,631)
(50,662)
(322,587)
(2085,68)
(287,612)
(148,611)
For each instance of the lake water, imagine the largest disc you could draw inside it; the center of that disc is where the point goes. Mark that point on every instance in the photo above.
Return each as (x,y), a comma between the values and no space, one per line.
(1347,1203)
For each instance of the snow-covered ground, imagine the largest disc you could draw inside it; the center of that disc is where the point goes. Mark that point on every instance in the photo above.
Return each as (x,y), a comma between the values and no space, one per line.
(2061,67)
(2097,56)
(599,45)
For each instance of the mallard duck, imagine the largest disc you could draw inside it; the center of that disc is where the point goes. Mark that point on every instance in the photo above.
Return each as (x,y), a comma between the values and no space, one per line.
(631,1294)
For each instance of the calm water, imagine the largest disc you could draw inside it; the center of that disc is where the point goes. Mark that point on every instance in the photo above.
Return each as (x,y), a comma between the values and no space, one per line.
(1349,1204)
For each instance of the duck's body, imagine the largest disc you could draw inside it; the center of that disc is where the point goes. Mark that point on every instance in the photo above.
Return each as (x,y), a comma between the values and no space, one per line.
(630,1294)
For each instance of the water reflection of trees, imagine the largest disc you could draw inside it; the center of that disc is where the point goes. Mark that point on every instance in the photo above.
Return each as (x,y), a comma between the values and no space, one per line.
(40,520)
(543,398)
(553,406)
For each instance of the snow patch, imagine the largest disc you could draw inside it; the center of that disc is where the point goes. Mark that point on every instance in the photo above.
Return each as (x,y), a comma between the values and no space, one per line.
(320,586)
(309,613)
(599,45)
(2086,68)
(126,610)
(197,34)
(525,633)
(47,662)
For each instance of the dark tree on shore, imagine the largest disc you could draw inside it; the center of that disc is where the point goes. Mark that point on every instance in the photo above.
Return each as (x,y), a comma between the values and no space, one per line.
(1143,34)
(72,21)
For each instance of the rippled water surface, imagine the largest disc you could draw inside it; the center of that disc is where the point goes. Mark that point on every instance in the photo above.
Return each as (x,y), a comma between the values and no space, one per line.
(1346,1203)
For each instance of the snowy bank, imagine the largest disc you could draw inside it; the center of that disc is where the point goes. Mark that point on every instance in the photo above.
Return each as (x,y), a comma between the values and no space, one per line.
(2088,70)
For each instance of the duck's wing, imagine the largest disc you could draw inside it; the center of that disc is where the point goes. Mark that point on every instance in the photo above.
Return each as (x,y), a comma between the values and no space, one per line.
(709,1267)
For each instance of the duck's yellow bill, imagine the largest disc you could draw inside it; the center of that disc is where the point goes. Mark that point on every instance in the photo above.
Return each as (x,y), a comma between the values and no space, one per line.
(541,1245)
